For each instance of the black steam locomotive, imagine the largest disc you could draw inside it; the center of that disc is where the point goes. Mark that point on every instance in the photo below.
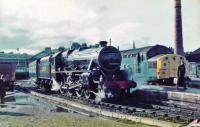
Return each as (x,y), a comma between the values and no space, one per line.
(88,72)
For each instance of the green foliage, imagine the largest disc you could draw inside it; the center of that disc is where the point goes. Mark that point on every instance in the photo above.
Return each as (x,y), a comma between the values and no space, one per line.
(75,45)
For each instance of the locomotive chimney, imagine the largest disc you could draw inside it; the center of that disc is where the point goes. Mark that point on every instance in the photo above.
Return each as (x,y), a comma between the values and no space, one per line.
(178,49)
(103,43)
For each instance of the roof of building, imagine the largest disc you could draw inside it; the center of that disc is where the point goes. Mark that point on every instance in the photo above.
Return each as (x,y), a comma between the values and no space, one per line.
(194,56)
(12,57)
(197,50)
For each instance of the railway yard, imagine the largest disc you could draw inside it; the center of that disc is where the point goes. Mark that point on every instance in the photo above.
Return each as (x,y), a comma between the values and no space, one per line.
(102,86)
(152,108)
(82,80)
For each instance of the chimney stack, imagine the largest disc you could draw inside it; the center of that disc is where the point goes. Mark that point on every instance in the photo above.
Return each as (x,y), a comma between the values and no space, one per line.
(178,49)
(133,44)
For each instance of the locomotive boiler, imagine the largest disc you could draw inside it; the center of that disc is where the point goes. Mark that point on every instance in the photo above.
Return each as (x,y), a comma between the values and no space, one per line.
(87,71)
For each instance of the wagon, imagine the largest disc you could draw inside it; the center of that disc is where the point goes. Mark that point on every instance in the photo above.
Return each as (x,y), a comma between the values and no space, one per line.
(7,70)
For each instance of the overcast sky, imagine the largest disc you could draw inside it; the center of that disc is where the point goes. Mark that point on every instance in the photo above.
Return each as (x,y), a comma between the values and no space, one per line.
(32,25)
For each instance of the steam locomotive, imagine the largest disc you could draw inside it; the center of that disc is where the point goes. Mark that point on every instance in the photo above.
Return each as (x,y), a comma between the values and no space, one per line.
(89,72)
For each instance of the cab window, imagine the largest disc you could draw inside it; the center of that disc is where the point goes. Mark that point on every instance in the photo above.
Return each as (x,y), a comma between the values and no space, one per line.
(152,64)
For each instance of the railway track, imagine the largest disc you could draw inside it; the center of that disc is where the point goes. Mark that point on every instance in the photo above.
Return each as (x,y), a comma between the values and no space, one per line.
(166,111)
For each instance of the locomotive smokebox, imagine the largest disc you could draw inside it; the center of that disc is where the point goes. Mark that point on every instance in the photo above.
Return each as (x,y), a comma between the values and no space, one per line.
(103,43)
(178,49)
(109,59)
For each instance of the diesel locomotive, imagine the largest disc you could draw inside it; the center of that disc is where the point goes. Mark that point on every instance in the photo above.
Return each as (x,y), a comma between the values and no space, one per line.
(153,65)
(88,72)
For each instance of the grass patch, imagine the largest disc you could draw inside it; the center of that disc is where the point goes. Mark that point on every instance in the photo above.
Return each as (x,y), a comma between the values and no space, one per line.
(62,120)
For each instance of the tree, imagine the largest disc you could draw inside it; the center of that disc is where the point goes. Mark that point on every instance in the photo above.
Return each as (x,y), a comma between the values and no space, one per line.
(75,45)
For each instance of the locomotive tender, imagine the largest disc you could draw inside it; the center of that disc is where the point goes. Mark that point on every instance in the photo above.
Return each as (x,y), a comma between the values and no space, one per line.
(85,72)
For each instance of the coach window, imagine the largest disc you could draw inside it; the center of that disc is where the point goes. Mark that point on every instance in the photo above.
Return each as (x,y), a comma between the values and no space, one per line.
(152,65)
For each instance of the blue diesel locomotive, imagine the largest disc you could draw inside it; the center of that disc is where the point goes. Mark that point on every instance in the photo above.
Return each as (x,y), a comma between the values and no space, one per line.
(152,65)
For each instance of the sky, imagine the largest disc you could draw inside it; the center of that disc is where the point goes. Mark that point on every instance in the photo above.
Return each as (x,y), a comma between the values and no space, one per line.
(32,25)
